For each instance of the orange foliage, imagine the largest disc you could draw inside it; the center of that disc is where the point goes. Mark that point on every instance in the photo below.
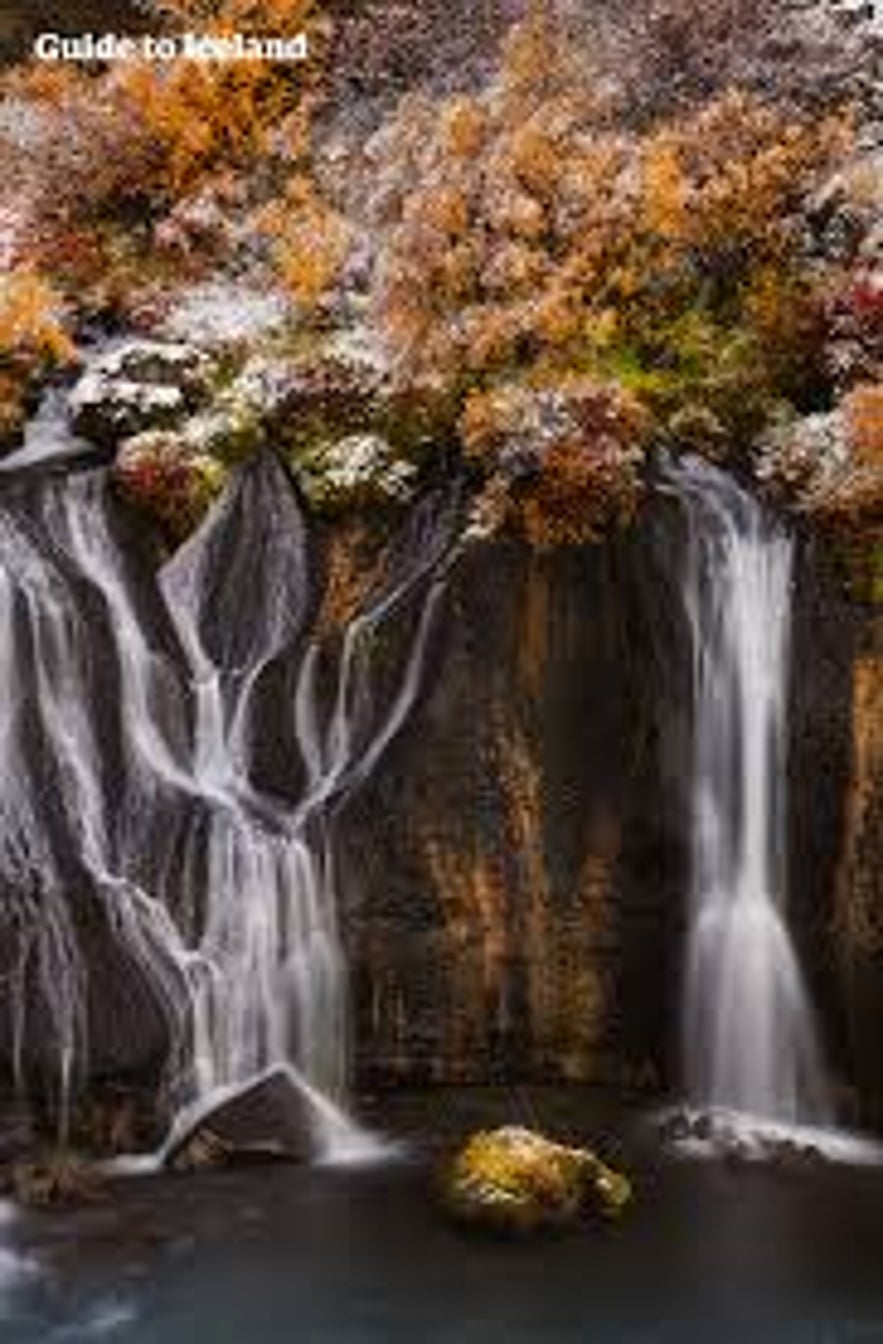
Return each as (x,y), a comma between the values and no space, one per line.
(738,168)
(569,452)
(32,337)
(122,148)
(864,415)
(530,241)
(520,219)
(310,238)
(31,320)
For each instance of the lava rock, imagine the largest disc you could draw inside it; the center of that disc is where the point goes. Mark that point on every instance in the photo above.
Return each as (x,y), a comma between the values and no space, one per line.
(515,1181)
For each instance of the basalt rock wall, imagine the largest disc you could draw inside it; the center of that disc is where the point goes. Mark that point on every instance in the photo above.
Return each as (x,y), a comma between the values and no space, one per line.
(516,875)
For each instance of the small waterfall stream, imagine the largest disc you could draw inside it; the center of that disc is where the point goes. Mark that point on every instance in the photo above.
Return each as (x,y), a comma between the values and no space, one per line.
(749,1040)
(130,808)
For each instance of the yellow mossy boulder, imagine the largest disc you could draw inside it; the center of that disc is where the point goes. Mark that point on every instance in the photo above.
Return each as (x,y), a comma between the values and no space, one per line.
(514,1180)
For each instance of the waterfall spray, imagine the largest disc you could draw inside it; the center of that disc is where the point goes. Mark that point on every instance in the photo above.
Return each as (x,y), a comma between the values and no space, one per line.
(749,1039)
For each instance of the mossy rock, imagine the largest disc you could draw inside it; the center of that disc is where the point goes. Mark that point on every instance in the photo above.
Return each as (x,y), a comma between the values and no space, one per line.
(513,1180)
(357,471)
(57,1179)
(137,387)
(161,474)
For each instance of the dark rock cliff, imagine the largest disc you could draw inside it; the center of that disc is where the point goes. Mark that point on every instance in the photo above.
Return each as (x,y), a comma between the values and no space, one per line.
(515,876)
(858,918)
(514,880)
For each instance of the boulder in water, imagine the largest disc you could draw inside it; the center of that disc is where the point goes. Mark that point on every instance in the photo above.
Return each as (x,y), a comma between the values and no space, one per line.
(514,1180)
(271,1119)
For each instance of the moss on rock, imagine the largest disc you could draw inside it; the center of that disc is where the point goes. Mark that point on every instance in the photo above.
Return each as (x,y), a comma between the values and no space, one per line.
(172,483)
(358,471)
(516,1181)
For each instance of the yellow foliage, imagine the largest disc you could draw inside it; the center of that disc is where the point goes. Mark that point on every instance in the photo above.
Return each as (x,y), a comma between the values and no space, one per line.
(535,159)
(310,241)
(745,166)
(204,116)
(864,412)
(665,189)
(462,127)
(566,280)
(524,231)
(31,315)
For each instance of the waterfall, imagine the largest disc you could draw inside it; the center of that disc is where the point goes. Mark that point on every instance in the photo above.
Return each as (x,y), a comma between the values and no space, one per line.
(132,813)
(749,1039)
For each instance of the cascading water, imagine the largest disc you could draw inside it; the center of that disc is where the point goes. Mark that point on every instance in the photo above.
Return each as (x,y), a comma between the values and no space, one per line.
(128,795)
(750,1045)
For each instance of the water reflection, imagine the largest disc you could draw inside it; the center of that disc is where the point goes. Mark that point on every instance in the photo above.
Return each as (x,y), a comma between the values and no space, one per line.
(264,1256)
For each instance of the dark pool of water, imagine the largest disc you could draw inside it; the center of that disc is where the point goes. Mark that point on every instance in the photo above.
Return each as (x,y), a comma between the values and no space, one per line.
(352,1257)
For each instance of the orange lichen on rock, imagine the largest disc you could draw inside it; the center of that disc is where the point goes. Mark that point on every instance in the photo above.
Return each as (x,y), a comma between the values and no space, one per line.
(859,923)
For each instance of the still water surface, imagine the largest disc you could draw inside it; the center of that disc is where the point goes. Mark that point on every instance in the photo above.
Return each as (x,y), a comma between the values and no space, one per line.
(274,1255)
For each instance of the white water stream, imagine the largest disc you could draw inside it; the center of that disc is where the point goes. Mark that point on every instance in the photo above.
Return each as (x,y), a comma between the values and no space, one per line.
(749,1037)
(127,804)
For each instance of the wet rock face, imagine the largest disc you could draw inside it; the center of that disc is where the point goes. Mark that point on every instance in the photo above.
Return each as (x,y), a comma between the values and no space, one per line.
(514,874)
(859,912)
(836,814)
(270,1120)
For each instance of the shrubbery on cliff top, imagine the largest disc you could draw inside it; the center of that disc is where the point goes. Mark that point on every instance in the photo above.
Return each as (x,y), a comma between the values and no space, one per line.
(140,175)
(32,339)
(528,237)
(565,281)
